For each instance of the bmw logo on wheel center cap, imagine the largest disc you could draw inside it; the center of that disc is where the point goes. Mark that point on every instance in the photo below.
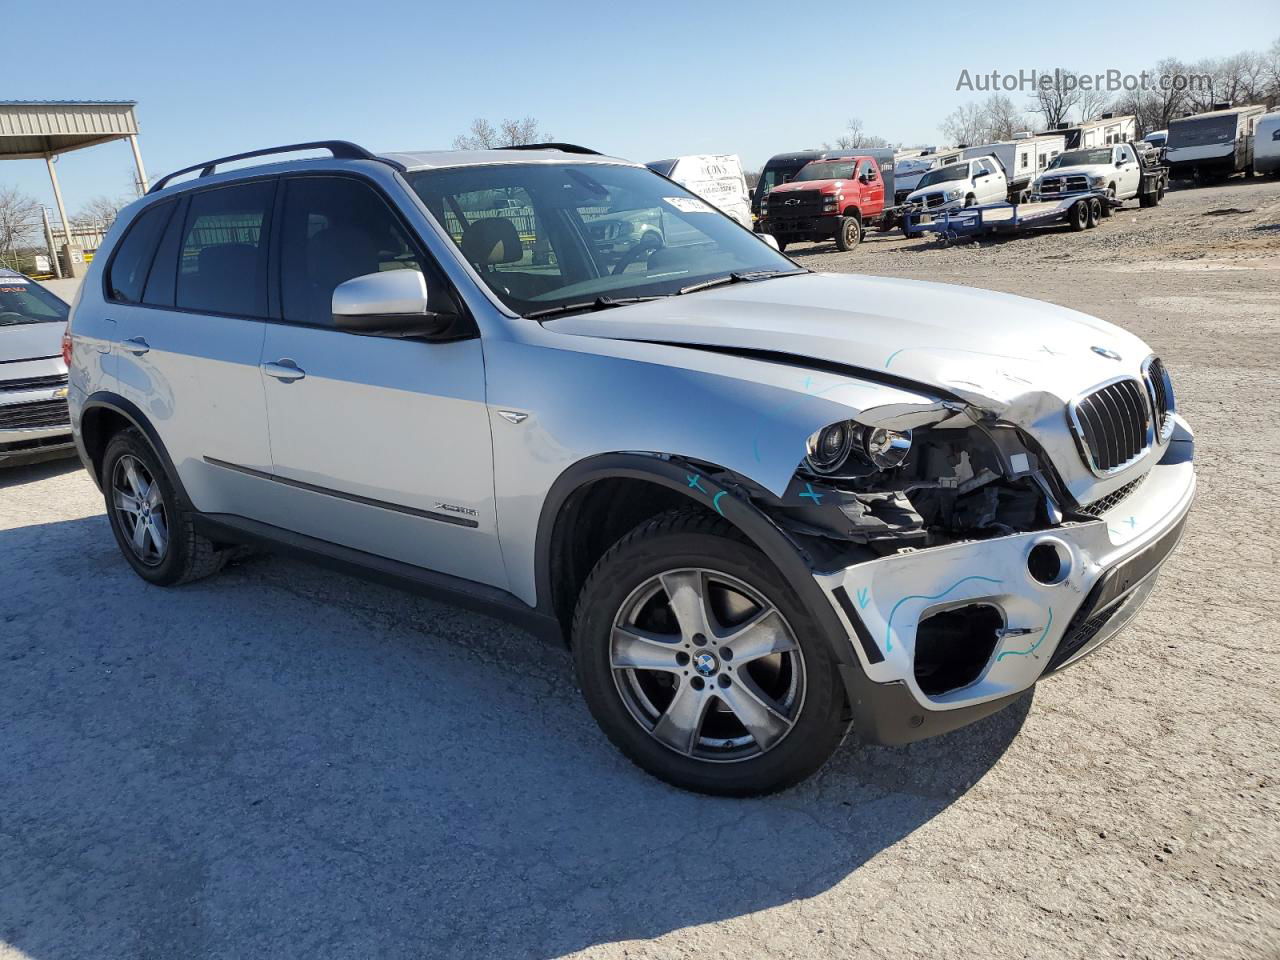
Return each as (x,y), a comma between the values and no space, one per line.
(706,664)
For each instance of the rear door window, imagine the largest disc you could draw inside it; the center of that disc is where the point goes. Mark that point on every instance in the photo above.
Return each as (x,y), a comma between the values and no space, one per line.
(129,268)
(222,263)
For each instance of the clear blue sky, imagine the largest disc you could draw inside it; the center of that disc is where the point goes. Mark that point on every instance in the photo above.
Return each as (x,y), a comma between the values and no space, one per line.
(643,81)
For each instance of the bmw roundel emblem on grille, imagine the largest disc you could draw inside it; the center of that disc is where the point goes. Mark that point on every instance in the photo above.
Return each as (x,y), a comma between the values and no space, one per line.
(1104,352)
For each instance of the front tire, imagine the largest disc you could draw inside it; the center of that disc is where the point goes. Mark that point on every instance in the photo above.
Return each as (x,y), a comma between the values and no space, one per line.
(849,235)
(701,665)
(156,536)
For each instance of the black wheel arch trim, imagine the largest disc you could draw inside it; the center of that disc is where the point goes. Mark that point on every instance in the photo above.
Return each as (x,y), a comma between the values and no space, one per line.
(106,400)
(679,475)
(883,713)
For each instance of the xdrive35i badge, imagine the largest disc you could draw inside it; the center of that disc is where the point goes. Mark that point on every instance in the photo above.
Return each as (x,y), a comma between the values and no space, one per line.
(1104,352)
(453,508)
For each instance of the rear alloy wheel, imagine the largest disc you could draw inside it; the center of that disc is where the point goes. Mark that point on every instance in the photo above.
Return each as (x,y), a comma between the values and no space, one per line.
(155,534)
(700,665)
(849,234)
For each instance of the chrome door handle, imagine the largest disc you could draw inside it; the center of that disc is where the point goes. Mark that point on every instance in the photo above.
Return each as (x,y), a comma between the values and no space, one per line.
(137,346)
(284,370)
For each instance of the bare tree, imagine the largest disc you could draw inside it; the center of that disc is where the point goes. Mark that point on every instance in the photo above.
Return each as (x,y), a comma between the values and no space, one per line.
(1090,103)
(1055,101)
(100,210)
(855,138)
(1002,119)
(966,124)
(510,133)
(19,220)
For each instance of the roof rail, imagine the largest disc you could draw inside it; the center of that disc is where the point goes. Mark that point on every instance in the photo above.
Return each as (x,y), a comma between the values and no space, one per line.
(341,149)
(562,147)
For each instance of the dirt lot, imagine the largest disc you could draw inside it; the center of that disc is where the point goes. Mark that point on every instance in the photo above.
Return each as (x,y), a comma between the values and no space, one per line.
(284,762)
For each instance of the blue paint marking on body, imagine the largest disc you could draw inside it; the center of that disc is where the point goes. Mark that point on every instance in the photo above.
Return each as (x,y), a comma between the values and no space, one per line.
(811,493)
(1034,647)
(891,356)
(888,627)
(864,597)
(715,501)
(695,482)
(1133,522)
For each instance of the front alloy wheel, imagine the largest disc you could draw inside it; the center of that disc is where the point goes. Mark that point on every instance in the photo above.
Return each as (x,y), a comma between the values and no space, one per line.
(701,664)
(709,667)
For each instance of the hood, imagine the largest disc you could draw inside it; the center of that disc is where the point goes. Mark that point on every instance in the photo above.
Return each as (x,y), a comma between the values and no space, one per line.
(994,350)
(30,341)
(826,186)
(1082,169)
(961,185)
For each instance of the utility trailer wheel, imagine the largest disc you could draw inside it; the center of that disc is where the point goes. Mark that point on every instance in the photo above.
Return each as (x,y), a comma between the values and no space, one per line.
(1096,207)
(1108,201)
(849,235)
(1078,216)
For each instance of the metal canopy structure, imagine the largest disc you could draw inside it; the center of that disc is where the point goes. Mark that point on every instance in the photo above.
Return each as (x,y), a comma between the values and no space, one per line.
(44,130)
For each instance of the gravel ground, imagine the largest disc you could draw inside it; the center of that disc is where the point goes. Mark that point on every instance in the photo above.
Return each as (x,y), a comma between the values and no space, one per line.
(283,762)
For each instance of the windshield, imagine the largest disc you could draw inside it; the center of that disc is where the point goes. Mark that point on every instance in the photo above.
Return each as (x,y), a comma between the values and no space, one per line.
(1081,158)
(1201,132)
(23,301)
(776,174)
(547,235)
(955,171)
(826,170)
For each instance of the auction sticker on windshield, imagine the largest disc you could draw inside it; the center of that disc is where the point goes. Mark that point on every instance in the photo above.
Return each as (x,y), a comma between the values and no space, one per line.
(688,205)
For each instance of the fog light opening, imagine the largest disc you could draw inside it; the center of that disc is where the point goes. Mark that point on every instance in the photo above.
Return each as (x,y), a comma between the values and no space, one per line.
(954,646)
(1049,562)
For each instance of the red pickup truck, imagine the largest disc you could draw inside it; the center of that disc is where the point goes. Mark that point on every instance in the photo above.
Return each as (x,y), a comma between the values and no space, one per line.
(832,198)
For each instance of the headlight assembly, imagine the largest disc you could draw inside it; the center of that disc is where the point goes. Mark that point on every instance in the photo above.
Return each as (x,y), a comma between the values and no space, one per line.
(831,448)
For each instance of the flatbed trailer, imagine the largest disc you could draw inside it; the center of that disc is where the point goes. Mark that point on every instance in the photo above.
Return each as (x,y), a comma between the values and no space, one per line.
(1081,211)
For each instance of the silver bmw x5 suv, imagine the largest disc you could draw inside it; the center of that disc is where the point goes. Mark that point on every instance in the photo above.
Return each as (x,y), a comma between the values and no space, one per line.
(766,507)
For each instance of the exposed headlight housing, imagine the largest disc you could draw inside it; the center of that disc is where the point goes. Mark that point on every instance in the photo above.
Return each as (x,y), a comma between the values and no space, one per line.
(830,448)
(954,194)
(1097,181)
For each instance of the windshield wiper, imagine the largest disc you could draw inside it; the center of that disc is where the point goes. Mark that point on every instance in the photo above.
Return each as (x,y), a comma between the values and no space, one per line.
(599,303)
(745,276)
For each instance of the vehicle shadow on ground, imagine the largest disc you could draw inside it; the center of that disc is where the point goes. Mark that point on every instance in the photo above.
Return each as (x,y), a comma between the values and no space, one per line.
(286,762)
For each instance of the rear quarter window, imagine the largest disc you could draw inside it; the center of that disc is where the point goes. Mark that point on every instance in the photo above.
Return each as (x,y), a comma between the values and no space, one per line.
(127,274)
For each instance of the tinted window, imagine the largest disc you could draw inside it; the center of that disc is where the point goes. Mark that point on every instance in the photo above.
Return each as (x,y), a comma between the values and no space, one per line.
(163,278)
(132,261)
(333,229)
(22,301)
(222,267)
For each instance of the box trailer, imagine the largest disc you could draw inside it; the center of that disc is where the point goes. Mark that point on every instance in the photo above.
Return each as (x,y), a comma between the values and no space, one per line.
(1102,132)
(716,178)
(1213,145)
(1023,158)
(1266,144)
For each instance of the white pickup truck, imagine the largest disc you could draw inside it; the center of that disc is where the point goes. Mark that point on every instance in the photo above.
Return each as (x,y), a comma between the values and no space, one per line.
(1114,170)
(961,184)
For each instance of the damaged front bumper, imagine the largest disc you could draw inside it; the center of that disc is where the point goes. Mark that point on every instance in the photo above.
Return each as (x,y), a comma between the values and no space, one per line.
(950,633)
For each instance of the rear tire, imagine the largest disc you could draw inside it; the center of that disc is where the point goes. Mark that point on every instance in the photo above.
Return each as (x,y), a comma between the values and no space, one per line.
(167,550)
(1078,215)
(849,233)
(1107,202)
(679,716)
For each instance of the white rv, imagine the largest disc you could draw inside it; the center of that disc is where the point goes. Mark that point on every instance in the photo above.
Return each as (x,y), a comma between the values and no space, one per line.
(1266,144)
(1106,130)
(717,179)
(1214,144)
(1023,158)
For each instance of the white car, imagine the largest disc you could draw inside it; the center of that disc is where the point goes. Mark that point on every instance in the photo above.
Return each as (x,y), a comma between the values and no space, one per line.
(33,377)
(963,184)
(1114,169)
